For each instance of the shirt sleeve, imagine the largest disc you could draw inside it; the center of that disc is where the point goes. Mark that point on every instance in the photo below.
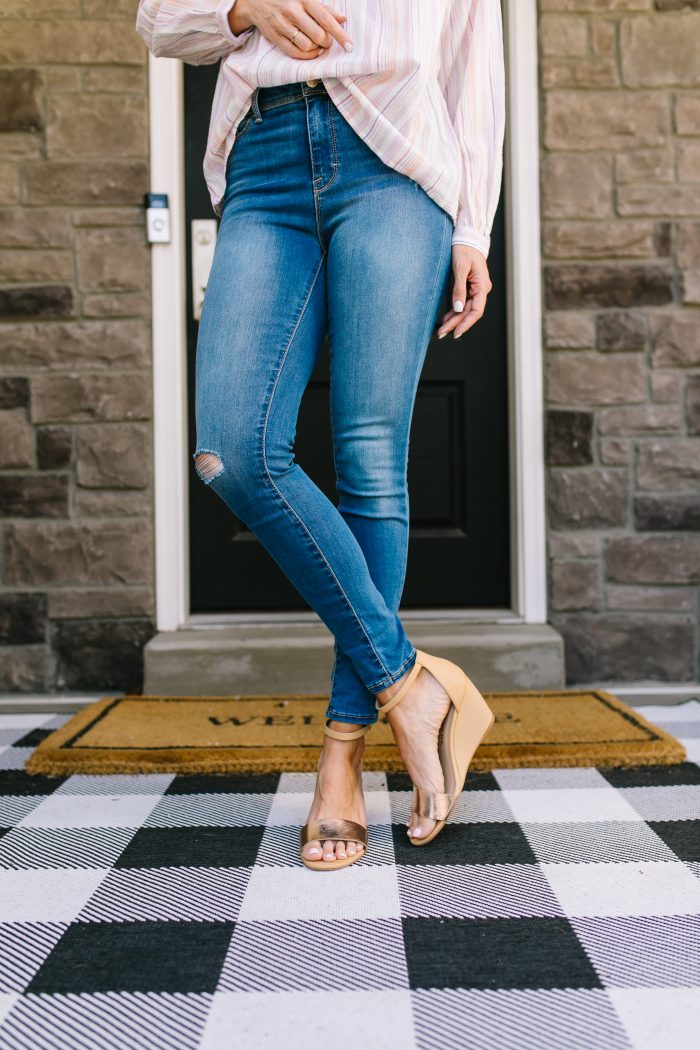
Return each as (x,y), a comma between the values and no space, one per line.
(197,31)
(473,83)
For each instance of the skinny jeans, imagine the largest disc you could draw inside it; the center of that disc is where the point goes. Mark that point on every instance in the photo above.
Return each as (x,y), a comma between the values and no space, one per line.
(318,235)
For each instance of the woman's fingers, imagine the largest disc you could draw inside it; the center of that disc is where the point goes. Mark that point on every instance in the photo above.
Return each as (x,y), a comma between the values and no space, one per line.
(471,287)
(310,22)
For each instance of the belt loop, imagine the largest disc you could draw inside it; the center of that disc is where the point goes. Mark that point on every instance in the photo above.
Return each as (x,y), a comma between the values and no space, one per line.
(256,107)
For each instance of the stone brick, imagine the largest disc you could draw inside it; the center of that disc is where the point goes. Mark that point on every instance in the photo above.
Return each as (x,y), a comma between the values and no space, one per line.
(103,603)
(675,340)
(605,120)
(9,183)
(22,145)
(561,73)
(575,585)
(576,186)
(640,419)
(16,440)
(614,452)
(692,404)
(667,513)
(121,304)
(97,125)
(595,5)
(117,79)
(39,300)
(23,670)
(574,544)
(563,35)
(78,344)
(627,647)
(598,240)
(20,100)
(666,386)
(622,330)
(34,228)
(34,495)
(668,465)
(27,265)
(14,392)
(22,619)
(114,456)
(74,553)
(600,285)
(568,438)
(118,216)
(687,114)
(661,599)
(687,244)
(586,498)
(73,41)
(582,378)
(88,398)
(645,165)
(86,182)
(662,239)
(32,9)
(63,78)
(654,559)
(54,447)
(690,292)
(569,330)
(104,503)
(108,8)
(100,654)
(603,37)
(112,260)
(660,52)
(689,161)
(658,199)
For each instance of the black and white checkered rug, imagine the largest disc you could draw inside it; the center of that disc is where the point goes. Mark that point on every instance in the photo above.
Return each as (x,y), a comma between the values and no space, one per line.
(559,908)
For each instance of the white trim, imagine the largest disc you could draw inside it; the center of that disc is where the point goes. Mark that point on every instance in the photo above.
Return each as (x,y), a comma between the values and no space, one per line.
(170,451)
(523,254)
(521,187)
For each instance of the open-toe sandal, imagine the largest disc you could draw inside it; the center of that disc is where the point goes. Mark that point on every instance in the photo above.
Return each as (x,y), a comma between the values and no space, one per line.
(465,725)
(335,830)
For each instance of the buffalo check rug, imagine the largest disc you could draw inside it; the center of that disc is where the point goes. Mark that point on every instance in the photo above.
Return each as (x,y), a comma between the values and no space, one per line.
(559,908)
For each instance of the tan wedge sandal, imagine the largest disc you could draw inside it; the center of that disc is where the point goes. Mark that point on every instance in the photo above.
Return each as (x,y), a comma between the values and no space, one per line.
(335,830)
(465,725)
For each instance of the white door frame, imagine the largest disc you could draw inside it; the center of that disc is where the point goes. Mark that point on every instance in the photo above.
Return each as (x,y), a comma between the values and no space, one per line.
(172,467)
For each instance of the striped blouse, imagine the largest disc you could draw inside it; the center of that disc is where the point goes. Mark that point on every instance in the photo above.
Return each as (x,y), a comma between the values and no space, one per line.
(424,87)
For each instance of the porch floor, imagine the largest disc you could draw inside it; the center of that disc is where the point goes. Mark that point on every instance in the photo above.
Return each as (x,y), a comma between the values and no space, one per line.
(561,908)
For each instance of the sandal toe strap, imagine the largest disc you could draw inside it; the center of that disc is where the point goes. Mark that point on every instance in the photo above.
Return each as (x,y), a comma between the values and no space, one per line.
(434,805)
(335,830)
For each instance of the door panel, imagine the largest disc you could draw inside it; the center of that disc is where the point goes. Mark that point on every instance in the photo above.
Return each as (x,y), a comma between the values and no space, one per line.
(459,553)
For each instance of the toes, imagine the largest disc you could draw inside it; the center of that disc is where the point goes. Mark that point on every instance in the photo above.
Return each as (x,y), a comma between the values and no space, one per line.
(341,850)
(329,850)
(421,829)
(351,849)
(312,850)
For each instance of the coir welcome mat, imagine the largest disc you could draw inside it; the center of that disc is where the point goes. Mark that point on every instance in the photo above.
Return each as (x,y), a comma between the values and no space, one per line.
(184,734)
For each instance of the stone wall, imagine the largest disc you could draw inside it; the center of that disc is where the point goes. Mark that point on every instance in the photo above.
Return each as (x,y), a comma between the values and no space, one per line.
(620,84)
(76,573)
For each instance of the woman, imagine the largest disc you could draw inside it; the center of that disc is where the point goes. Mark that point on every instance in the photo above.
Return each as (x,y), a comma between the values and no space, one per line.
(354,157)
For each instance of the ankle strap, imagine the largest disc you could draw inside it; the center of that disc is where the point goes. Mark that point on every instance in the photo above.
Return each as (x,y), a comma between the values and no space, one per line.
(403,690)
(338,734)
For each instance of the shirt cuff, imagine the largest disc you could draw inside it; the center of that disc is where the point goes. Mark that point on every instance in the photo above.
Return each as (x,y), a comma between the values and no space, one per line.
(463,234)
(222,11)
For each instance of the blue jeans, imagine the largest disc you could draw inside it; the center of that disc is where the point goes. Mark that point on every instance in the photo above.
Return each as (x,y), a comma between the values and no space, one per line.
(318,234)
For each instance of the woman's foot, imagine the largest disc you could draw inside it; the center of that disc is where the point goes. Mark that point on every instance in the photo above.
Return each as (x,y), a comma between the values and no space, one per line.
(415,723)
(338,794)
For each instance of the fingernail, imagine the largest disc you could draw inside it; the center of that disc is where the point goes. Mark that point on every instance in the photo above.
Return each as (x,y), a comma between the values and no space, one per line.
(458,306)
(348,46)
(441,335)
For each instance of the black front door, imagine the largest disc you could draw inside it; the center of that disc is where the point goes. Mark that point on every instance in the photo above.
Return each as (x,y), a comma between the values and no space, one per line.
(459,551)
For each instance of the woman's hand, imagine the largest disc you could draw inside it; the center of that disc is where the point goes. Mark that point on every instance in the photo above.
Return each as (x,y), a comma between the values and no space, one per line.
(278,20)
(470,270)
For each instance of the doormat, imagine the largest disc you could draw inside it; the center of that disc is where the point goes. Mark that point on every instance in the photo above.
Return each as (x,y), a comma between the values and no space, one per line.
(263,734)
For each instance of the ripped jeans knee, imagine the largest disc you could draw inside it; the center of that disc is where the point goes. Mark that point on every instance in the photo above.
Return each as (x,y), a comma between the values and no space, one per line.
(208,464)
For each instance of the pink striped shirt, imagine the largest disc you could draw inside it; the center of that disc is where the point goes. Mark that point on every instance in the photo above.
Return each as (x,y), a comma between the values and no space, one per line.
(424,87)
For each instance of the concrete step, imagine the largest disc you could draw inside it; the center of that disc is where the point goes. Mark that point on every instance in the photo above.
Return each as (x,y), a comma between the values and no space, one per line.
(297,658)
